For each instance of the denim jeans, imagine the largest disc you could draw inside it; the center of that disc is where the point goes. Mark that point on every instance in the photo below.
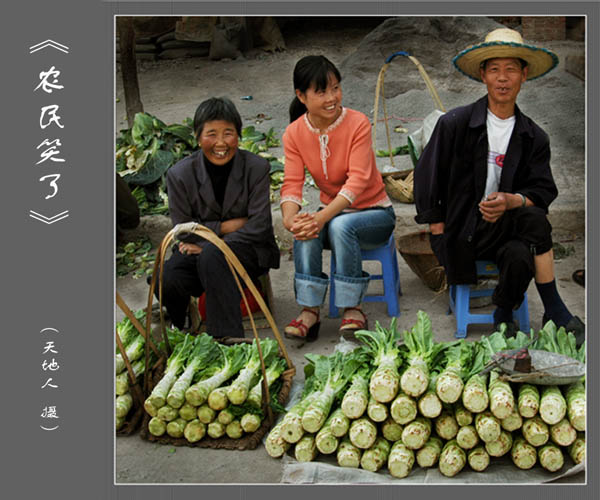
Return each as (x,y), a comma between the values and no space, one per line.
(345,235)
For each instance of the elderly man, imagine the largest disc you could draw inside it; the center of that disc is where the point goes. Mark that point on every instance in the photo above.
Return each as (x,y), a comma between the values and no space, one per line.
(484,184)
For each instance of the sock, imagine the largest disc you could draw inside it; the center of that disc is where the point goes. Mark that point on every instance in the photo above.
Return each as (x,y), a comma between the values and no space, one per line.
(502,315)
(554,308)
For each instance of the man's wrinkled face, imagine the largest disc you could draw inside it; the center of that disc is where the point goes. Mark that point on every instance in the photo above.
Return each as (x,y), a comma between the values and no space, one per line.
(503,78)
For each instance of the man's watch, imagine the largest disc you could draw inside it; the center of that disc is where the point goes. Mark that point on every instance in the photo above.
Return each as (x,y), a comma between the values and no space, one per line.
(524,204)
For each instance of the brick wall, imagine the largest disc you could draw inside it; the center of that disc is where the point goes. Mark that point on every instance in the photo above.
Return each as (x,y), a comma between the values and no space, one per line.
(544,28)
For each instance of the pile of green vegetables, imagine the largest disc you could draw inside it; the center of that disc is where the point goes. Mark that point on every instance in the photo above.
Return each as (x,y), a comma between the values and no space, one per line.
(135,257)
(209,389)
(388,404)
(133,344)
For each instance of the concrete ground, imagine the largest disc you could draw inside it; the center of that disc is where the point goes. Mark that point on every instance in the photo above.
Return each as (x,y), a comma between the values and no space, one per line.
(138,461)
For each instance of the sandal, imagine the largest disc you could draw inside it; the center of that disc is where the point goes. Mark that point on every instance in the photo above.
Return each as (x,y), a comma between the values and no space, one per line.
(298,330)
(349,326)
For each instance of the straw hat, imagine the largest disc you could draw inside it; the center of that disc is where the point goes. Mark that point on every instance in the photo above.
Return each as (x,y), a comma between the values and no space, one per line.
(505,42)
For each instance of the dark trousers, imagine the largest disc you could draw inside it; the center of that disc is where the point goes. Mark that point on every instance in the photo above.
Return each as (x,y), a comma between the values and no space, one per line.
(186,276)
(512,242)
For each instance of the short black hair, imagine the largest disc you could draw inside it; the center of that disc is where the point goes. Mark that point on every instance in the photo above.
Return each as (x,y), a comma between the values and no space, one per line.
(216,108)
(523,62)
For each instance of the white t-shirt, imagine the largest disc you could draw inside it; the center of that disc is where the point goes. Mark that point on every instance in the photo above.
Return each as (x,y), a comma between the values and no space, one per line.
(498,132)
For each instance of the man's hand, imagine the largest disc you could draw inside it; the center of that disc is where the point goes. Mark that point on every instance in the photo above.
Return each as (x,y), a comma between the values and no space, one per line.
(494,206)
(231,225)
(437,227)
(189,248)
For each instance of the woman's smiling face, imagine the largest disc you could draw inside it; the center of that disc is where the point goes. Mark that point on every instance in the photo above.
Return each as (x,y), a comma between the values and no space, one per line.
(218,141)
(324,105)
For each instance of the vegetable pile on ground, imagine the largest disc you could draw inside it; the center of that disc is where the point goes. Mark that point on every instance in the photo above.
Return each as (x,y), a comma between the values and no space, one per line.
(425,403)
(133,344)
(212,390)
(135,257)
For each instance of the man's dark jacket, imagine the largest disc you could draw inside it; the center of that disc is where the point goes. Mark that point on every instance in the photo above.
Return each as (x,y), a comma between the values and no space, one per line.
(451,174)
(192,199)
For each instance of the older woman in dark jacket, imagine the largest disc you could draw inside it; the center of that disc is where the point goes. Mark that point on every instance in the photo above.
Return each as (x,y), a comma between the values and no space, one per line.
(227,190)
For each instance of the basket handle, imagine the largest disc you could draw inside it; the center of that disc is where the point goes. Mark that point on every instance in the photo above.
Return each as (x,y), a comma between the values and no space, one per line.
(379,90)
(237,270)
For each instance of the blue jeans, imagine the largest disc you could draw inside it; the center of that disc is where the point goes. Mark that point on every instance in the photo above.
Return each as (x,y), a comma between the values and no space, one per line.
(346,235)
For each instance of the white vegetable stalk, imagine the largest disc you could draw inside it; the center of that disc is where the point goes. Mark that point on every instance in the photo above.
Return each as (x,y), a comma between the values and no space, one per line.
(348,455)
(134,351)
(452,459)
(291,425)
(429,404)
(194,431)
(576,406)
(429,454)
(500,446)
(362,433)
(306,449)
(415,378)
(316,413)
(403,409)
(188,412)
(467,437)
(356,398)
(391,430)
(462,415)
(376,456)
(217,399)
(502,401)
(234,430)
(563,433)
(446,426)
(122,380)
(487,426)
(513,422)
(377,411)
(250,422)
(416,433)
(475,396)
(176,427)
(553,406)
(340,423)
(551,457)
(215,430)
(206,414)
(523,455)
(535,431)
(577,449)
(478,459)
(325,441)
(123,405)
(400,460)
(225,416)
(167,413)
(275,445)
(529,400)
(157,427)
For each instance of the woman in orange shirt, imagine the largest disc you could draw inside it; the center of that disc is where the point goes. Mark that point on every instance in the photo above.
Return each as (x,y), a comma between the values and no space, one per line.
(334,144)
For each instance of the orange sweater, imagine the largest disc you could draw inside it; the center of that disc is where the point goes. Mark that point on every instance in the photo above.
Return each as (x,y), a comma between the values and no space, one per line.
(341,161)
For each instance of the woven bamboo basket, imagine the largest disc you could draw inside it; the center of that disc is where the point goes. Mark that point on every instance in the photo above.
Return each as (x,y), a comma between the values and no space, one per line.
(250,441)
(399,185)
(416,251)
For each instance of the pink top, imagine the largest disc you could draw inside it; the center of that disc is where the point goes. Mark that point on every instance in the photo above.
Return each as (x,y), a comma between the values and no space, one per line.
(341,161)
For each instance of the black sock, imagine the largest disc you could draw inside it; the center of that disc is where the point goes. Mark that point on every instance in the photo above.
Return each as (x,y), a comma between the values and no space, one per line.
(502,315)
(554,308)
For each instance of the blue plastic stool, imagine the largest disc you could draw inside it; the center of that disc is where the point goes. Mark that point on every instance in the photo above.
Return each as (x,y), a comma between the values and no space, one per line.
(460,296)
(386,255)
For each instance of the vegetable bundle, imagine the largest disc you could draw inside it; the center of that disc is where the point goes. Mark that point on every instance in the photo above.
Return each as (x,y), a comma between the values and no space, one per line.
(212,390)
(133,344)
(446,415)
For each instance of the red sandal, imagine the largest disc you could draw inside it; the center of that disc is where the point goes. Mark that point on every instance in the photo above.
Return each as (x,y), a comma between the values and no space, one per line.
(349,326)
(298,330)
